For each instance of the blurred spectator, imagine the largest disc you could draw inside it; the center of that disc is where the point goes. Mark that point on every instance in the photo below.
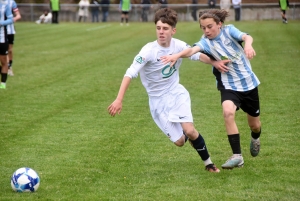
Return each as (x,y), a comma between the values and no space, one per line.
(125,8)
(284,5)
(45,18)
(83,11)
(146,5)
(194,9)
(163,3)
(211,3)
(225,4)
(95,10)
(55,7)
(237,9)
(104,9)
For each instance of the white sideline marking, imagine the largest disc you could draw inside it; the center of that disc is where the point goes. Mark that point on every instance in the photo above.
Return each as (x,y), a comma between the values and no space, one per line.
(100,27)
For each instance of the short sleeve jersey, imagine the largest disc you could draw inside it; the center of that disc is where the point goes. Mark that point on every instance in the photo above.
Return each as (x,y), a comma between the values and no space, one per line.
(227,45)
(6,18)
(156,77)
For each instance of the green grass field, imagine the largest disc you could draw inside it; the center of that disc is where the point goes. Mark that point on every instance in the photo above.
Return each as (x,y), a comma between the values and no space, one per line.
(54,118)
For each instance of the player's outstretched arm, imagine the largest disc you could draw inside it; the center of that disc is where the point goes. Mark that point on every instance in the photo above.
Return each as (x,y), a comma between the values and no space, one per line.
(183,54)
(116,106)
(248,49)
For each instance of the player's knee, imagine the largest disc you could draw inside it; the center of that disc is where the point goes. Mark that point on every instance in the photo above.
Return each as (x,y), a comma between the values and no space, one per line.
(228,115)
(180,142)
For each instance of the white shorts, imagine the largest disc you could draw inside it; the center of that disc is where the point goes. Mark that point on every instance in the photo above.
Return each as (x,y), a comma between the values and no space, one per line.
(170,110)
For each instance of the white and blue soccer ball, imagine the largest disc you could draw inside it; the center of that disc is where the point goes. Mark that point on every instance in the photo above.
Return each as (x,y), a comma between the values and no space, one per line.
(25,180)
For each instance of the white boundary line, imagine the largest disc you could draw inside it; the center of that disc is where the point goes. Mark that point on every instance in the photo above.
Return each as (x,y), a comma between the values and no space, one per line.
(100,27)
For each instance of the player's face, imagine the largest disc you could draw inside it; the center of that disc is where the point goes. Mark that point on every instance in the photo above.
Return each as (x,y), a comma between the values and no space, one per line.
(164,33)
(210,28)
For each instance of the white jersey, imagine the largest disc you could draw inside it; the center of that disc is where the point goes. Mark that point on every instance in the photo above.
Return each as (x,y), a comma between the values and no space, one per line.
(157,78)
(240,76)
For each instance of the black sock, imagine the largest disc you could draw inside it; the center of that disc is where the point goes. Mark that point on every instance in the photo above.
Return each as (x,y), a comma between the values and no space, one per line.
(122,19)
(234,141)
(3,77)
(10,63)
(186,137)
(126,20)
(255,135)
(200,146)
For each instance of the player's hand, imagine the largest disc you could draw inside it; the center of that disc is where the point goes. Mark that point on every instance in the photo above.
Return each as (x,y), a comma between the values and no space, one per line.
(169,59)
(115,107)
(249,51)
(221,65)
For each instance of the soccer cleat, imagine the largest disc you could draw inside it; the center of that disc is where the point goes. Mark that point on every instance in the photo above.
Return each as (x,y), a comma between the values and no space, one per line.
(254,146)
(212,168)
(234,161)
(10,72)
(2,86)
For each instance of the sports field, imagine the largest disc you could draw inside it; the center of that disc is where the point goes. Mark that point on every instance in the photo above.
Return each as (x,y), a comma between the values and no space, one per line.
(54,118)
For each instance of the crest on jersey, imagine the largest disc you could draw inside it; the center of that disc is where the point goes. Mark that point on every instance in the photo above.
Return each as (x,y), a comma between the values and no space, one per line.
(139,59)
(227,42)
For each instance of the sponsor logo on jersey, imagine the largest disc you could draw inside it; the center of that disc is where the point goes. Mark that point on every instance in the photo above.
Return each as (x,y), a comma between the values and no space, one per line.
(139,59)
(167,71)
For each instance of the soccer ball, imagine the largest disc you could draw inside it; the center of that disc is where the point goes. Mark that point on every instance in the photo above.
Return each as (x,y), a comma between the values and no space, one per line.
(25,180)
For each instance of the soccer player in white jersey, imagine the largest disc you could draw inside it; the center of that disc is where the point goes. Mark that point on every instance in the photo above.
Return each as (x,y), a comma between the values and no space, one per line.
(169,101)
(11,34)
(6,18)
(238,85)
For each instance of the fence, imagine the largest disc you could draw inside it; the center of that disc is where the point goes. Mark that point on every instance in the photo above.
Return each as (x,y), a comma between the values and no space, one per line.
(68,12)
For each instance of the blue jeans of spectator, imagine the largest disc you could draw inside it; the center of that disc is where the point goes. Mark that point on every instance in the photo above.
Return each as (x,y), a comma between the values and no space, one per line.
(95,16)
(104,16)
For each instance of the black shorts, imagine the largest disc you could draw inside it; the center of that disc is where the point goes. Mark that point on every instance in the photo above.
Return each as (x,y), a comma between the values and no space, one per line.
(11,38)
(4,48)
(283,11)
(125,12)
(248,101)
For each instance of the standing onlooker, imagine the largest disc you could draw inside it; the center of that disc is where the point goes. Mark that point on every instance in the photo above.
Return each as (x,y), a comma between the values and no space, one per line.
(211,3)
(11,34)
(83,11)
(125,7)
(95,10)
(146,5)
(225,4)
(105,9)
(284,5)
(163,3)
(6,18)
(194,9)
(55,7)
(237,4)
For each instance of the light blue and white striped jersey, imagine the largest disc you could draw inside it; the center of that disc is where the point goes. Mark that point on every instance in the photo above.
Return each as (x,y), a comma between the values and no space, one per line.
(227,45)
(13,6)
(6,17)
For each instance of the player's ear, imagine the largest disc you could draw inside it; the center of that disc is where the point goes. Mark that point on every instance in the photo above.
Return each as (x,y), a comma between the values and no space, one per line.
(173,31)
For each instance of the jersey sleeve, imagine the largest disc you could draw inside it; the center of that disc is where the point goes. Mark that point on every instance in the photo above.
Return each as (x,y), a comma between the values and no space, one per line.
(139,61)
(235,33)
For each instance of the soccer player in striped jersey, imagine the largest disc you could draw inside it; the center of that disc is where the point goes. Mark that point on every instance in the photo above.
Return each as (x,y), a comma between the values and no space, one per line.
(11,34)
(6,18)
(169,101)
(238,85)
